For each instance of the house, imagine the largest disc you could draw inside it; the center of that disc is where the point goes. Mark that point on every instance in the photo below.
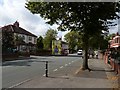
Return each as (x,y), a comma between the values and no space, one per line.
(24,41)
(115,53)
(112,55)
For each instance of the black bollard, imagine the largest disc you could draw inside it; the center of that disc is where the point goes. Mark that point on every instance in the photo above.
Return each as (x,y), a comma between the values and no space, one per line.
(46,69)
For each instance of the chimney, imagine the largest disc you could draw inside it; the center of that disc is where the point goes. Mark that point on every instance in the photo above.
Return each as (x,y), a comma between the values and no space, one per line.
(117,34)
(16,24)
(60,38)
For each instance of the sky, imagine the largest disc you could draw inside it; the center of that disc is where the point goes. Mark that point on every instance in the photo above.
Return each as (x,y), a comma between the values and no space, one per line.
(14,10)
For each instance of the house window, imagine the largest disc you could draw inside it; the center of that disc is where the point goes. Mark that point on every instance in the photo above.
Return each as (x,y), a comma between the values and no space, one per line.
(23,37)
(34,40)
(116,40)
(30,38)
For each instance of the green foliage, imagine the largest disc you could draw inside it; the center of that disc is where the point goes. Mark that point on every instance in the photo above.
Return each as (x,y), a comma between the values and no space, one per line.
(105,41)
(7,41)
(40,44)
(50,35)
(110,36)
(74,40)
(89,18)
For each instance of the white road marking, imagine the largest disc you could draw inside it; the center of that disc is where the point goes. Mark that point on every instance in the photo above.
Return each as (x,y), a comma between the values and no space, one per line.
(19,83)
(69,63)
(65,64)
(61,67)
(44,75)
(55,70)
(72,61)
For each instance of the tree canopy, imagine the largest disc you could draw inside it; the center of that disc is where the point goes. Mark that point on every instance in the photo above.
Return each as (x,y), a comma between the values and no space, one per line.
(49,36)
(76,15)
(74,40)
(7,40)
(88,18)
(40,44)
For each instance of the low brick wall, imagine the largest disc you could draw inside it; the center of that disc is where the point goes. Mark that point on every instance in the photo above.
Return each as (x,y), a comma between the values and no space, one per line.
(119,68)
(24,54)
(112,64)
(14,56)
(43,52)
(115,66)
(9,56)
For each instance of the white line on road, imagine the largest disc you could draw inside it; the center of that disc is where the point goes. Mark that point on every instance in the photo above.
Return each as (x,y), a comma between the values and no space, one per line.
(69,63)
(72,61)
(65,64)
(55,70)
(19,83)
(44,74)
(61,67)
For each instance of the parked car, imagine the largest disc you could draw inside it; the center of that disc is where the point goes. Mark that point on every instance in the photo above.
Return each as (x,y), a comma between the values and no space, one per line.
(79,52)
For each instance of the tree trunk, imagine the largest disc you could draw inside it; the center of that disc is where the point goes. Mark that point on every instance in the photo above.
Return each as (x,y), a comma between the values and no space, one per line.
(85,59)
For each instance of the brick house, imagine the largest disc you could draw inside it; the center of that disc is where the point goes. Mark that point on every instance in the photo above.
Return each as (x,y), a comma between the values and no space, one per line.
(115,46)
(112,54)
(24,41)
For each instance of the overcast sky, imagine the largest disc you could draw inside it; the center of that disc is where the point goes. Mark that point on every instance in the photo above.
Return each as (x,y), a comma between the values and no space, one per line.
(12,10)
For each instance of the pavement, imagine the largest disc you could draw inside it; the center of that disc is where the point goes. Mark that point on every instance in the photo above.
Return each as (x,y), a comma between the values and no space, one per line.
(101,76)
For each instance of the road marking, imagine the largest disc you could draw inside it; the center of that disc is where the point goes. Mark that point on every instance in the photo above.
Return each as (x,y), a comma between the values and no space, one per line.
(69,63)
(55,70)
(61,67)
(18,84)
(72,61)
(65,64)
(44,74)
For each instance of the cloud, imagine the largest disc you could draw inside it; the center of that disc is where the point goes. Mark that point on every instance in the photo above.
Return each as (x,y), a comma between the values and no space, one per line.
(114,29)
(12,10)
(119,26)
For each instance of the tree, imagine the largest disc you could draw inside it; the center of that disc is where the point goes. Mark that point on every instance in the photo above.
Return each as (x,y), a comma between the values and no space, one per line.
(88,18)
(94,41)
(105,41)
(40,44)
(110,36)
(49,36)
(74,40)
(7,40)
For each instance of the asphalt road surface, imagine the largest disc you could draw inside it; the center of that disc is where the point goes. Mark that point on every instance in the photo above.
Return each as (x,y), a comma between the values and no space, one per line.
(19,71)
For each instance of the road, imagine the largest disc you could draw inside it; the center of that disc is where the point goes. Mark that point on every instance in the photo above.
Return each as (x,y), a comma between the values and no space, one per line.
(16,72)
